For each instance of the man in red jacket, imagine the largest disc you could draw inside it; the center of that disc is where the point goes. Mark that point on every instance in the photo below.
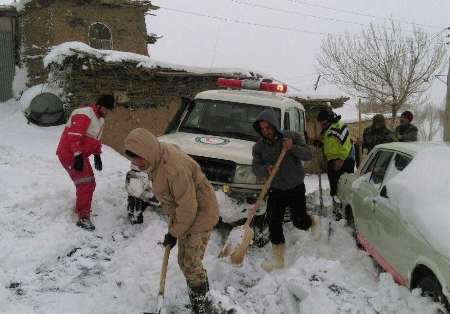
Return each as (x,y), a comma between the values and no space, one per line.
(80,139)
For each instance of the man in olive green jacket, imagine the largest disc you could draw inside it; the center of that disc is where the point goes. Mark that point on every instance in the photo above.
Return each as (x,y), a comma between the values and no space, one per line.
(189,199)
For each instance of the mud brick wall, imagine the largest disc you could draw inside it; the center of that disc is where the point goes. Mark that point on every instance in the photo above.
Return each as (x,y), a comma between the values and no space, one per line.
(146,98)
(48,23)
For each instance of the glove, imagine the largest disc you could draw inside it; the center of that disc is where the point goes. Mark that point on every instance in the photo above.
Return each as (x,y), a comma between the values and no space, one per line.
(98,162)
(169,240)
(78,163)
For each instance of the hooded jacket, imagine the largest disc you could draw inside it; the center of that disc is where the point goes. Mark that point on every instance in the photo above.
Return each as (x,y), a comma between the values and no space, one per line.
(265,153)
(377,133)
(82,133)
(178,183)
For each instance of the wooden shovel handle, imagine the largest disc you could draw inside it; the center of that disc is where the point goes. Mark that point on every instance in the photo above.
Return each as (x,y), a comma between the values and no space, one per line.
(165,263)
(264,189)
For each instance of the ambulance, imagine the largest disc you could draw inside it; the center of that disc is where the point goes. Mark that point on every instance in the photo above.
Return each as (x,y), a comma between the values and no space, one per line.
(216,129)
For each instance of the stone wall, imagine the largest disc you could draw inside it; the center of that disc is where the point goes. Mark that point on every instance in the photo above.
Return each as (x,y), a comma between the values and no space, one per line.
(36,27)
(146,97)
(49,23)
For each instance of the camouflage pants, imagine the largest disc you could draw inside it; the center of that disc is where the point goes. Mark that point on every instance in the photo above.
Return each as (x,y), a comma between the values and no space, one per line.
(191,250)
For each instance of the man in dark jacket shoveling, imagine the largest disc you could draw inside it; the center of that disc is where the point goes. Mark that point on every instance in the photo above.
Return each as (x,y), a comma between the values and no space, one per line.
(287,188)
(188,198)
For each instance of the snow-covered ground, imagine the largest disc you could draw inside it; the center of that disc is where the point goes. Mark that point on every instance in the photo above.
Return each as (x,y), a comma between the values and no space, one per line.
(48,265)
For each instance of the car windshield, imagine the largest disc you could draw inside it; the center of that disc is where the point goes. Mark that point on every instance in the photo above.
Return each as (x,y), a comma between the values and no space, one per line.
(222,118)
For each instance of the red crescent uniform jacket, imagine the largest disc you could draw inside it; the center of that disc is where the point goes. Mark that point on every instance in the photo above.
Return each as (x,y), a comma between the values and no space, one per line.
(82,133)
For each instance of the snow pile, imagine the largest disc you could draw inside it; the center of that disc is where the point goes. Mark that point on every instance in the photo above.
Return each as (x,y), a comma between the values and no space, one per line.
(20,81)
(420,191)
(58,53)
(48,265)
(230,210)
(235,238)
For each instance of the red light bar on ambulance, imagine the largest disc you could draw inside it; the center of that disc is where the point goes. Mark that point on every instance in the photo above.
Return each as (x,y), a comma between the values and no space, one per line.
(252,84)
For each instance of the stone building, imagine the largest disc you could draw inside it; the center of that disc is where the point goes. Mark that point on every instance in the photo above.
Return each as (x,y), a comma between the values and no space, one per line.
(102,24)
(148,93)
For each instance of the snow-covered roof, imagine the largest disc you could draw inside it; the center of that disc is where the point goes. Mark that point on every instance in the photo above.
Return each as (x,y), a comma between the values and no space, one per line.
(20,4)
(60,52)
(349,114)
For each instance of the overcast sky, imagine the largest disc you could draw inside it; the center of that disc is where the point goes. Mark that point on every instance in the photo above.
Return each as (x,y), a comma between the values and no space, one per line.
(278,37)
(192,38)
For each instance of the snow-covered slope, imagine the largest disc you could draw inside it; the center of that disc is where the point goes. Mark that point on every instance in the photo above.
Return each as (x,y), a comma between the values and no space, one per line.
(50,266)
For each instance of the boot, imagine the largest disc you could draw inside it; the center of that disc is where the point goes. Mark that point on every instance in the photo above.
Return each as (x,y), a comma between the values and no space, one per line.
(86,223)
(200,302)
(277,261)
(315,227)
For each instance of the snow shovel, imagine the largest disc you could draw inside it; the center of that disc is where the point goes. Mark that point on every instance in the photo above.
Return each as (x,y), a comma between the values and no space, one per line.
(162,283)
(241,237)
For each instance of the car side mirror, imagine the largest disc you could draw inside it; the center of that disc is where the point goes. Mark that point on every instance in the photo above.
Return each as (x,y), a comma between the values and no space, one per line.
(383,192)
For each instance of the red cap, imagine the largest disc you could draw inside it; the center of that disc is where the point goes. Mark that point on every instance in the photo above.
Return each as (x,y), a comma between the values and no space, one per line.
(408,115)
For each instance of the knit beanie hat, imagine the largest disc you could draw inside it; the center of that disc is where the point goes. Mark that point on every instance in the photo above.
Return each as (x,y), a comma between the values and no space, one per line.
(408,115)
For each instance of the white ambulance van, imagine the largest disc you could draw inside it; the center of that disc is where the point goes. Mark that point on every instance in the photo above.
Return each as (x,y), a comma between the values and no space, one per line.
(216,129)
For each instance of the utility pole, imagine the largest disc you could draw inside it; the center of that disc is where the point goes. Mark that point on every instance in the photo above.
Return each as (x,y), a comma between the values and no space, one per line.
(447,110)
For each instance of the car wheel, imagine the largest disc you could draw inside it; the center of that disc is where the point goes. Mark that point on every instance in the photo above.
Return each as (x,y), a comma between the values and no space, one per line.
(432,288)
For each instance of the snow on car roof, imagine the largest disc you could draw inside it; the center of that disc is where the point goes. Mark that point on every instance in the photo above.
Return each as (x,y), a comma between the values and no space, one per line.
(412,148)
(421,194)
(250,97)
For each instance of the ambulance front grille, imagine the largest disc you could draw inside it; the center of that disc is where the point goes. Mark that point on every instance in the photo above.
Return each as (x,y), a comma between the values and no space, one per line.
(216,170)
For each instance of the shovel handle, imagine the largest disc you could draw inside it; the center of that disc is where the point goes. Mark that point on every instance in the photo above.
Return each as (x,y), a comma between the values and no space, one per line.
(264,188)
(165,263)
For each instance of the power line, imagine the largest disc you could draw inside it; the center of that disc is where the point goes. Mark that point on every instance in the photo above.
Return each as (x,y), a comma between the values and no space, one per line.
(358,13)
(284,28)
(236,21)
(302,14)
(295,12)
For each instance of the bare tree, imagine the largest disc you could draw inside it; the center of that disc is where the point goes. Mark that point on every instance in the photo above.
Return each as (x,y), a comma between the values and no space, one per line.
(429,121)
(382,64)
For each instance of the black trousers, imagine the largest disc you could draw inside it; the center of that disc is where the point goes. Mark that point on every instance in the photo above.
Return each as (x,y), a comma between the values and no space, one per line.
(277,202)
(333,176)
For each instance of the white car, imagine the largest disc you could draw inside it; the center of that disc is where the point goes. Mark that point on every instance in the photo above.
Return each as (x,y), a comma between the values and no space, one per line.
(398,203)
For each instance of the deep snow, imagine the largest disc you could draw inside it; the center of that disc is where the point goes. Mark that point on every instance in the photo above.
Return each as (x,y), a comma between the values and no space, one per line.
(50,266)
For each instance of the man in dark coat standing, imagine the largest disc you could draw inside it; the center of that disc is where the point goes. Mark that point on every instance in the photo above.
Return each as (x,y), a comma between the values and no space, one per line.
(377,133)
(287,188)
(406,132)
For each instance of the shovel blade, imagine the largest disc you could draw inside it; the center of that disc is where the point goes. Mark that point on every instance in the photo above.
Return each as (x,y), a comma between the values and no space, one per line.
(160,309)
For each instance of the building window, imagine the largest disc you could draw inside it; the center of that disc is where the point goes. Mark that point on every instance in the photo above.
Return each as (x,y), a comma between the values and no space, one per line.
(100,36)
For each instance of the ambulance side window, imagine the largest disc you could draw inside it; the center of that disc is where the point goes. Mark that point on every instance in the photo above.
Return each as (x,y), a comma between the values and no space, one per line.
(287,124)
(295,120)
(301,120)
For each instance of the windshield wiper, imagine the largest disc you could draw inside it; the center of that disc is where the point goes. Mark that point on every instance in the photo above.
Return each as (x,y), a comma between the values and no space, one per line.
(241,135)
(200,130)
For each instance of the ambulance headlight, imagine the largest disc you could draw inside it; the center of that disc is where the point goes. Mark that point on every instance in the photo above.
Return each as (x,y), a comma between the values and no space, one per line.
(244,175)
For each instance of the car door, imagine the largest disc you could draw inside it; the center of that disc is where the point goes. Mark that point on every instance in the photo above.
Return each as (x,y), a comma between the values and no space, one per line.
(364,191)
(395,239)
